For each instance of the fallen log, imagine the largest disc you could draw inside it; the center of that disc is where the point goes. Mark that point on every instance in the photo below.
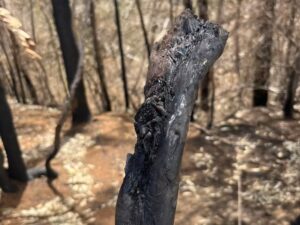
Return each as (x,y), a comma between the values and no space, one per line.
(178,63)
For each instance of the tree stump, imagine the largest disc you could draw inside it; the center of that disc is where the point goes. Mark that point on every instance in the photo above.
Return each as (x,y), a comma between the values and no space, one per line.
(178,63)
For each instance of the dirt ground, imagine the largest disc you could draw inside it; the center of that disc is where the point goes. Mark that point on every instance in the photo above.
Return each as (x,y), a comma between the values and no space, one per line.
(247,167)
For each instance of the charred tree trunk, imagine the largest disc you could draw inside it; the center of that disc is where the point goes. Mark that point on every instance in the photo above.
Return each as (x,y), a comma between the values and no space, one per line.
(211,115)
(17,168)
(122,57)
(204,88)
(5,183)
(178,63)
(16,57)
(291,70)
(55,48)
(32,19)
(171,11)
(145,34)
(203,9)
(204,93)
(63,22)
(293,76)
(30,86)
(11,70)
(237,40)
(188,4)
(98,59)
(263,56)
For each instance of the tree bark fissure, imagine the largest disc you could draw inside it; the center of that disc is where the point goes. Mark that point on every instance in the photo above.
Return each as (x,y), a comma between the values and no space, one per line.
(178,63)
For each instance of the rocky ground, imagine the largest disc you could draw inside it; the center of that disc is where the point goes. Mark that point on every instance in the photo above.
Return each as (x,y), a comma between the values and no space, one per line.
(246,168)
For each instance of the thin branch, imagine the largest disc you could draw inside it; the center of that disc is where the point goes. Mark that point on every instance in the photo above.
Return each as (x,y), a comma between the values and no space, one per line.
(51,174)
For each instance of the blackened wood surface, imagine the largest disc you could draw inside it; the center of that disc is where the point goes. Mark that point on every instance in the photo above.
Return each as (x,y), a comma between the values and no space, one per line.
(179,62)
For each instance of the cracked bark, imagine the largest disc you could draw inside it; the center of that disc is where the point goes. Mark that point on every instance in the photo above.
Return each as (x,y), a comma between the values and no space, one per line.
(178,63)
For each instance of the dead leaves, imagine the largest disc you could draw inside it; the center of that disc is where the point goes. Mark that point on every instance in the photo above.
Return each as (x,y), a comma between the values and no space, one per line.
(24,39)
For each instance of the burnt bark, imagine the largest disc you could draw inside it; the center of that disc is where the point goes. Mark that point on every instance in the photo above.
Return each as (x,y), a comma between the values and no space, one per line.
(17,168)
(98,58)
(263,56)
(63,22)
(179,62)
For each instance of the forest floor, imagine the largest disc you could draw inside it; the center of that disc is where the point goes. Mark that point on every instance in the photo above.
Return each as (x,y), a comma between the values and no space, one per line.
(253,156)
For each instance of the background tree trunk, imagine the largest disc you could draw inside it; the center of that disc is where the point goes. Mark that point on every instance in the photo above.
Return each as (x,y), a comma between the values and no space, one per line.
(211,115)
(32,19)
(263,56)
(11,69)
(204,88)
(17,64)
(122,57)
(149,191)
(145,34)
(204,92)
(98,58)
(17,168)
(63,22)
(171,11)
(293,79)
(188,4)
(291,70)
(5,183)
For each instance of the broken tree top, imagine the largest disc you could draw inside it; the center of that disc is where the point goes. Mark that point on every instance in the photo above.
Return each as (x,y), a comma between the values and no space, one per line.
(178,63)
(189,34)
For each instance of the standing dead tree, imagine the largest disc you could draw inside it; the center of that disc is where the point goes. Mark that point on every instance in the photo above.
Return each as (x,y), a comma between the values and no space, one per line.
(171,11)
(178,63)
(263,55)
(204,92)
(122,56)
(291,70)
(188,4)
(145,34)
(63,22)
(212,77)
(16,165)
(99,61)
(293,76)
(204,89)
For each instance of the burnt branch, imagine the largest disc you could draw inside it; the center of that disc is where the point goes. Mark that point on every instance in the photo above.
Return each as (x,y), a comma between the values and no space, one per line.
(51,174)
(178,63)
